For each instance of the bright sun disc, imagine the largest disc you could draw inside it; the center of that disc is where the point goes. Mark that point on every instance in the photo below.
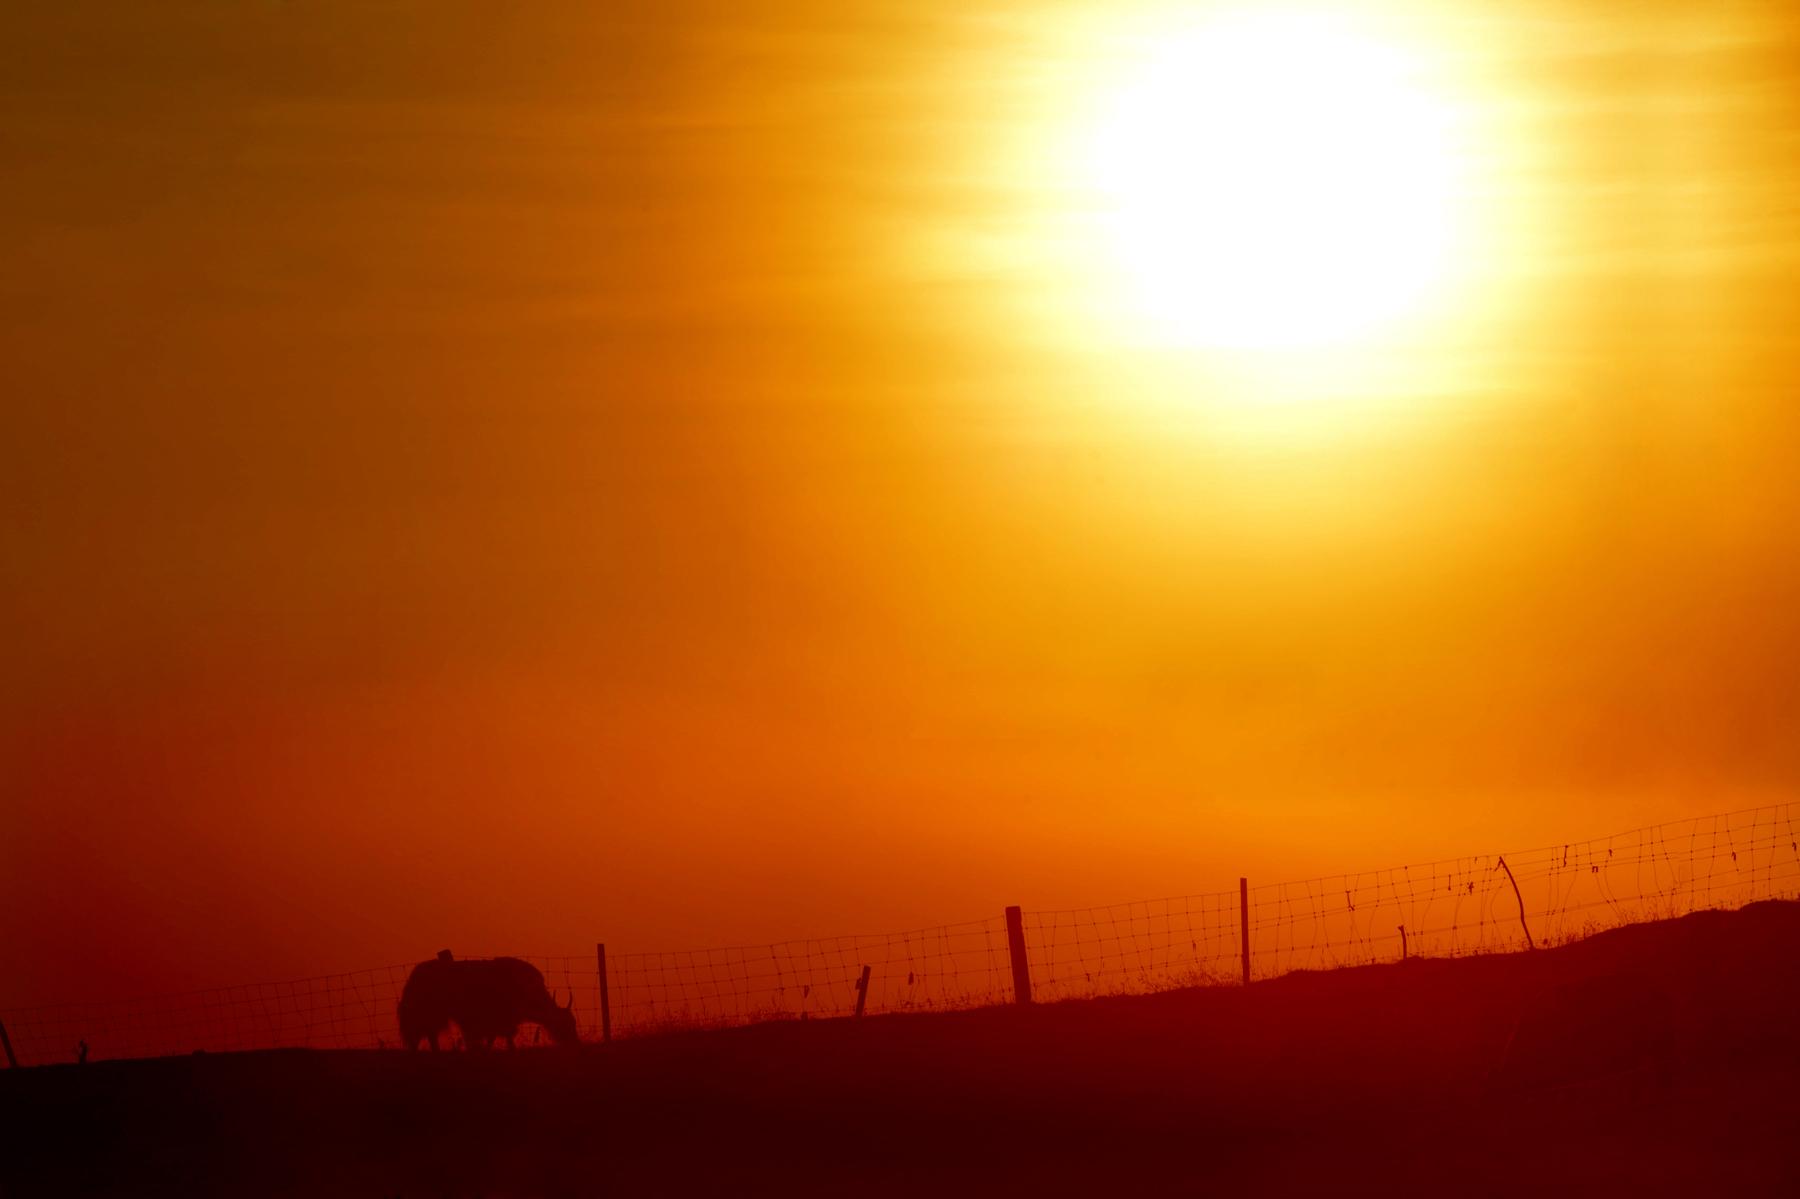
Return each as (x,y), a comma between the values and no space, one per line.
(1275,181)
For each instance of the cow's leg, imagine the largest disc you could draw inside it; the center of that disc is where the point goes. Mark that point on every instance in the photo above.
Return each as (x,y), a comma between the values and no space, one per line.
(509,1041)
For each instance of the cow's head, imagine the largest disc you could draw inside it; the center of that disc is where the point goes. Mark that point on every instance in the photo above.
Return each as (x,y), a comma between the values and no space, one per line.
(560,1022)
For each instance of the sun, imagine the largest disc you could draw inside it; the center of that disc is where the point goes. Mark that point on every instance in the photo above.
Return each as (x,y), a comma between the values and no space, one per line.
(1273,181)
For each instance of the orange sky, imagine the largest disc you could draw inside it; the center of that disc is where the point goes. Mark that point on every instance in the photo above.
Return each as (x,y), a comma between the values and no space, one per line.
(507,479)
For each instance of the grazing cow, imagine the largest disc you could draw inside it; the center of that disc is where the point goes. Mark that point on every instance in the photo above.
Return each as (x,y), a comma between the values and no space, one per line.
(486,998)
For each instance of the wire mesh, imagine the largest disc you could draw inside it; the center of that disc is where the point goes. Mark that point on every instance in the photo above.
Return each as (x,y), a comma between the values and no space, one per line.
(1546,896)
(1481,904)
(930,969)
(1124,948)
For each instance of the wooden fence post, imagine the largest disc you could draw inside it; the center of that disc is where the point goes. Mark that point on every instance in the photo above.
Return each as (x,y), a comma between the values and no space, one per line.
(605,995)
(5,1040)
(1015,944)
(1244,924)
(862,991)
(1529,943)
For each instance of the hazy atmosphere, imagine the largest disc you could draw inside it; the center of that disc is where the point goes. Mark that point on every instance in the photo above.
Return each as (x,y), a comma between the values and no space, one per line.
(694,473)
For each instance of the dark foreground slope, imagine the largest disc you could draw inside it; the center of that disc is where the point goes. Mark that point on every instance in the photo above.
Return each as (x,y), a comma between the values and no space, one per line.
(1656,1059)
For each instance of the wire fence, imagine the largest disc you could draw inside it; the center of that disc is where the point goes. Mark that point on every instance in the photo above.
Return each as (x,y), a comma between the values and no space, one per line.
(334,1011)
(1459,906)
(930,969)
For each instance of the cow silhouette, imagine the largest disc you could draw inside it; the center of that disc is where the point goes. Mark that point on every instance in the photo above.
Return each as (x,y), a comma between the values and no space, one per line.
(486,998)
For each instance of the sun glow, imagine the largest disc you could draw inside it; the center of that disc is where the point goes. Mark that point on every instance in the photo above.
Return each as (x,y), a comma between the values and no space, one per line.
(1276,181)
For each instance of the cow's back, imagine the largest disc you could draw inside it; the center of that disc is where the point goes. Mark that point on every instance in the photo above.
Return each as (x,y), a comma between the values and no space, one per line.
(494,996)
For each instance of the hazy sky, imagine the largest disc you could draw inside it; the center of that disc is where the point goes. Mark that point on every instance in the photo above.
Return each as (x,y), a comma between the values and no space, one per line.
(512,476)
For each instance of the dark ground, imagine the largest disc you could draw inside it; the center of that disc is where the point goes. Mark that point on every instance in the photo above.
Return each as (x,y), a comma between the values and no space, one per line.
(1655,1059)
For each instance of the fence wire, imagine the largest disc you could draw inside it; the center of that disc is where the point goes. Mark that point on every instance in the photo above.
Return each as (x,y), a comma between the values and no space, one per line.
(1458,906)
(1563,892)
(931,969)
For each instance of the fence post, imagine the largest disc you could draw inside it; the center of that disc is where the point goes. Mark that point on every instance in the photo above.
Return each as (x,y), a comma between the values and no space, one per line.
(1529,943)
(605,996)
(1244,924)
(1015,945)
(862,991)
(1403,942)
(5,1040)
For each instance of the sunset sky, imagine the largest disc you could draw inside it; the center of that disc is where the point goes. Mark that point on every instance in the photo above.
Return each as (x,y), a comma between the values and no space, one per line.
(689,473)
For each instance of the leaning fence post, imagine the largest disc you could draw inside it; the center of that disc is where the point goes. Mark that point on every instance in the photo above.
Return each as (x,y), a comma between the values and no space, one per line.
(1529,943)
(1244,924)
(1015,945)
(605,997)
(862,991)
(5,1040)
